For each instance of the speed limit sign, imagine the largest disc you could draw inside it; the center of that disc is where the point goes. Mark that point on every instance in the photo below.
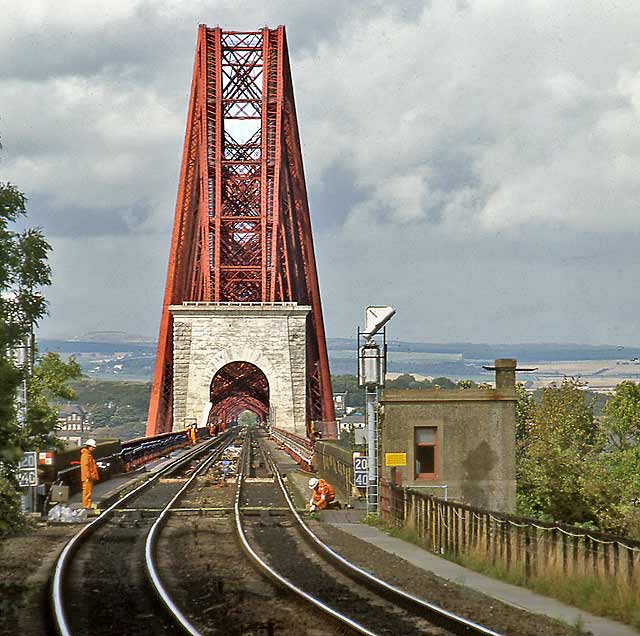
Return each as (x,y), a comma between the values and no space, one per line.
(27,474)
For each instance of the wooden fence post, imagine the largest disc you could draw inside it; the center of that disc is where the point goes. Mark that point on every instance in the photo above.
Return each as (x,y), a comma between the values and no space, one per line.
(587,553)
(508,527)
(463,519)
(527,553)
(487,534)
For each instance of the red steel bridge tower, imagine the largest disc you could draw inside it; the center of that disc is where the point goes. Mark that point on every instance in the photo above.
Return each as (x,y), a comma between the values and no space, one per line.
(242,231)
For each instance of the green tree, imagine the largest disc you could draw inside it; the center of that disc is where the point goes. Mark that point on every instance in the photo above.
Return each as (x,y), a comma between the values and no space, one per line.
(613,484)
(621,419)
(23,271)
(443,383)
(348,384)
(560,445)
(408,381)
(524,419)
(48,384)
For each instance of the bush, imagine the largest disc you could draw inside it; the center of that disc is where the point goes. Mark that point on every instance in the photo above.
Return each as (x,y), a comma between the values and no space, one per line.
(11,517)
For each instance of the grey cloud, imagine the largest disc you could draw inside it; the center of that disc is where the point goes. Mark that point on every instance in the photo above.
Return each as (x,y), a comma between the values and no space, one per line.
(475,163)
(503,289)
(62,221)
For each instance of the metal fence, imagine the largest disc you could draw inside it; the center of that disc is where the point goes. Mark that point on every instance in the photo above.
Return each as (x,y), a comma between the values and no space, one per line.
(300,448)
(516,543)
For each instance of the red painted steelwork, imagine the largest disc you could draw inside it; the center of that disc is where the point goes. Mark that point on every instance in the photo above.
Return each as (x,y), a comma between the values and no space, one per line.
(242,230)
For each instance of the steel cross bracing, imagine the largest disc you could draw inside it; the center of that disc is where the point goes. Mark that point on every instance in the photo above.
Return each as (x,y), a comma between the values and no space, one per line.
(242,231)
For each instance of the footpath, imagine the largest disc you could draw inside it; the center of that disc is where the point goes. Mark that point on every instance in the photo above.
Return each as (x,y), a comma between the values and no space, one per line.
(349,521)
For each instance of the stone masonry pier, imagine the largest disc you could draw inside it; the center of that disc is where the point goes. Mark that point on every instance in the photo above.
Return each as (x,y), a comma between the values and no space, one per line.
(208,336)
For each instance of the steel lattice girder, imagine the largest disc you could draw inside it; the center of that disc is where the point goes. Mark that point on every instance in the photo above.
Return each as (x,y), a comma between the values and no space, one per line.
(242,230)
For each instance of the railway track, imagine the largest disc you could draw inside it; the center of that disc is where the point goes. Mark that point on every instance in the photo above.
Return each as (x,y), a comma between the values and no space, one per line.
(99,584)
(278,543)
(160,561)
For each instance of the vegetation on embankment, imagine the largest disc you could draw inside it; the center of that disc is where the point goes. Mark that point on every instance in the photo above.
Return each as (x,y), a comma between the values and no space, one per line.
(574,467)
(615,597)
(119,408)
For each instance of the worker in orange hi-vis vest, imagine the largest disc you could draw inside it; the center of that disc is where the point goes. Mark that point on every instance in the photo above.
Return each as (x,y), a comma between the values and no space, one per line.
(88,471)
(322,496)
(193,432)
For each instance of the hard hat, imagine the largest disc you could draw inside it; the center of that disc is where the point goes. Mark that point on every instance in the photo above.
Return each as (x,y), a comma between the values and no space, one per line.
(90,442)
(313,482)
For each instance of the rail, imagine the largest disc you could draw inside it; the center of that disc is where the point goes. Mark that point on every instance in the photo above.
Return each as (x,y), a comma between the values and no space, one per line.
(448,620)
(64,560)
(152,537)
(271,571)
(300,448)
(419,607)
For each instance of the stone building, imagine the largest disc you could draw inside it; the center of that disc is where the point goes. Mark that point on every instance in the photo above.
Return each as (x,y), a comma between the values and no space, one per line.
(74,423)
(340,404)
(458,442)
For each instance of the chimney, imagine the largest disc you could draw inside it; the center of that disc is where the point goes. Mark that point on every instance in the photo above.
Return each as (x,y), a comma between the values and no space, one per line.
(505,374)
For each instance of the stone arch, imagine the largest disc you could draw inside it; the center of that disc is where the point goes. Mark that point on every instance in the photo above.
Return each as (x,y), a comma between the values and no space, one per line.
(235,387)
(244,354)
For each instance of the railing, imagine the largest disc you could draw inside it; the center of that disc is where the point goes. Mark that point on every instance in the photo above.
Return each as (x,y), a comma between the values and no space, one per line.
(300,448)
(516,543)
(137,452)
(119,457)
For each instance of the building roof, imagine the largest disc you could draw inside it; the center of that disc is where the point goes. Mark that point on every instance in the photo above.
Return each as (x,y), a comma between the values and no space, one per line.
(354,418)
(64,410)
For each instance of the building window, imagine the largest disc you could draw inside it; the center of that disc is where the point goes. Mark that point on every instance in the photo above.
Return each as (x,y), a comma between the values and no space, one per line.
(425,452)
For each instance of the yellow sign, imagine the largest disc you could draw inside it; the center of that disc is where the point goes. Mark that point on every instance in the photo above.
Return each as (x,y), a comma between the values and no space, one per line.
(395,459)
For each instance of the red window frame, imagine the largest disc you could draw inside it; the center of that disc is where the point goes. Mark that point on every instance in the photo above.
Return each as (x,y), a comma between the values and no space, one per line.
(434,445)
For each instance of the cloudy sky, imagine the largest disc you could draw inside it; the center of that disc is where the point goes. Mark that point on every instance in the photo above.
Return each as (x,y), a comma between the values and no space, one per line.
(474,163)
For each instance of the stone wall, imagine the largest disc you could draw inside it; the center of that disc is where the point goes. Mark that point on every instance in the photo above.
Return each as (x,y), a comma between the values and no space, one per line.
(334,464)
(207,336)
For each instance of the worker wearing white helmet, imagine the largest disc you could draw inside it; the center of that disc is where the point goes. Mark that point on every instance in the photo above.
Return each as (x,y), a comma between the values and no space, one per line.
(88,471)
(322,494)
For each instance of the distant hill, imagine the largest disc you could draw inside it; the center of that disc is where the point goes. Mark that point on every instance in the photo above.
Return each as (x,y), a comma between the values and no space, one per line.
(114,337)
(523,352)
(117,355)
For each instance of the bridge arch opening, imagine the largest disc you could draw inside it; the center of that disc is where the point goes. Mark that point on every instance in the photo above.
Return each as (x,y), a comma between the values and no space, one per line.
(237,387)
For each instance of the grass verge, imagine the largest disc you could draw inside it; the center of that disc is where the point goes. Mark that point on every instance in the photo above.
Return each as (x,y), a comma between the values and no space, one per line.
(612,597)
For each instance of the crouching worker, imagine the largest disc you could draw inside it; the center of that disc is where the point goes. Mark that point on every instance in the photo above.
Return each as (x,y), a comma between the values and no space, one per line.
(322,496)
(88,471)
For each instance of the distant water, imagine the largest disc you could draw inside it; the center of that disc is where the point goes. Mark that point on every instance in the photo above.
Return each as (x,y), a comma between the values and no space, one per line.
(128,360)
